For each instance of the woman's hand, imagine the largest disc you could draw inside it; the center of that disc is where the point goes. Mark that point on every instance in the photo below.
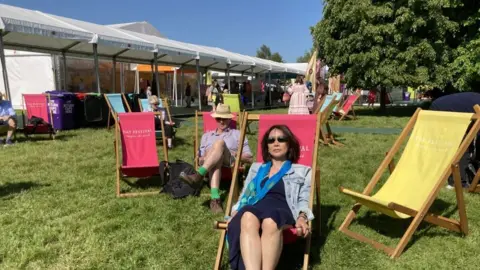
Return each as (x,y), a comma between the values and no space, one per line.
(303,226)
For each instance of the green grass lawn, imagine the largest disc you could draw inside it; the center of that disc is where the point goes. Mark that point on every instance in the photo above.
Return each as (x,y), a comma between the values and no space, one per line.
(58,210)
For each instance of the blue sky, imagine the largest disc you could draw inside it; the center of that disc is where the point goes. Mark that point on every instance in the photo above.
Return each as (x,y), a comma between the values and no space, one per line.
(238,26)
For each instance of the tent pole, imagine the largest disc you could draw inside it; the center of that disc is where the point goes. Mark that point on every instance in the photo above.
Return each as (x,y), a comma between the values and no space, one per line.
(182,86)
(122,78)
(155,64)
(175,88)
(97,72)
(64,58)
(4,68)
(251,86)
(197,64)
(153,72)
(285,81)
(114,75)
(269,88)
(228,78)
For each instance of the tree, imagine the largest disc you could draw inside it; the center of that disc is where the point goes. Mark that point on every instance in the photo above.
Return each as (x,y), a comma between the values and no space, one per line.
(264,52)
(277,57)
(387,43)
(306,56)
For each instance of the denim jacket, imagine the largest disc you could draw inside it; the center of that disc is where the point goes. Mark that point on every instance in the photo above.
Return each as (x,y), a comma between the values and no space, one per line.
(297,181)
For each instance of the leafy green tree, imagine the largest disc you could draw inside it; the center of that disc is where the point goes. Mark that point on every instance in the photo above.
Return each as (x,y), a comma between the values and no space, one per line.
(387,43)
(264,52)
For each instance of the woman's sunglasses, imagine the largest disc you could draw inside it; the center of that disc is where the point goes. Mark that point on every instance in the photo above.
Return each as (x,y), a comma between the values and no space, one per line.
(278,139)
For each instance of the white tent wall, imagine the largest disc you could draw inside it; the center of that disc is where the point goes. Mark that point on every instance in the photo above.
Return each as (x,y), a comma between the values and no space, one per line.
(28,73)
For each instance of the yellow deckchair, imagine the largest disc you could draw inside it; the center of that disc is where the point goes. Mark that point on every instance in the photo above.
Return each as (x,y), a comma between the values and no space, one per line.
(236,106)
(431,155)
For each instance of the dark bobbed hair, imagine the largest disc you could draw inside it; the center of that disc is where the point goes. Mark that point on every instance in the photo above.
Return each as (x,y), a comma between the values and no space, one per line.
(293,153)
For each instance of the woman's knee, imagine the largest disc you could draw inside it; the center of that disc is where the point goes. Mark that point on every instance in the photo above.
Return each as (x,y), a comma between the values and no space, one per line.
(249,222)
(269,226)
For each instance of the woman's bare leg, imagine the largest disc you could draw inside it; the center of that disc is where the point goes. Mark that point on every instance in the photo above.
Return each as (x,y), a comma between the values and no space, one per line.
(250,244)
(272,243)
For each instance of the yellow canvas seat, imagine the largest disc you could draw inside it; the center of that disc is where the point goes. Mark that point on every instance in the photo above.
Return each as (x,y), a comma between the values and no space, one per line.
(431,155)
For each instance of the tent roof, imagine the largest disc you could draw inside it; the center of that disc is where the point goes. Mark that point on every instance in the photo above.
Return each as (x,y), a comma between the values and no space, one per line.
(139,27)
(31,30)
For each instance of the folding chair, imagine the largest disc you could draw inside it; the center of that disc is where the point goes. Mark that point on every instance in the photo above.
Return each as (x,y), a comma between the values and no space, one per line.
(431,155)
(209,124)
(338,96)
(327,136)
(145,107)
(305,127)
(115,104)
(37,105)
(348,107)
(236,106)
(139,156)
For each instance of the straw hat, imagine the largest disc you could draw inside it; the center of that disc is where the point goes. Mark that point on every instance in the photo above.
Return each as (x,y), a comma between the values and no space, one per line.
(222,111)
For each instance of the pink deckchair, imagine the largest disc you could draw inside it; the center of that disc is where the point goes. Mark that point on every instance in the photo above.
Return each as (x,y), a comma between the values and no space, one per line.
(347,107)
(139,152)
(307,130)
(210,124)
(36,105)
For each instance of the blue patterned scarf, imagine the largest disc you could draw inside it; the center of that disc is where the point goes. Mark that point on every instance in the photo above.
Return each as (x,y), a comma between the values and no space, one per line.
(254,192)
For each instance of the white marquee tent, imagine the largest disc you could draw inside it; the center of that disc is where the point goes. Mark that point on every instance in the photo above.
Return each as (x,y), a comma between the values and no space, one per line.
(35,31)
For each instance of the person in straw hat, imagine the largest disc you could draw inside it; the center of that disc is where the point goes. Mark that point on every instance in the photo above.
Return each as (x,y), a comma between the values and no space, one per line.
(217,150)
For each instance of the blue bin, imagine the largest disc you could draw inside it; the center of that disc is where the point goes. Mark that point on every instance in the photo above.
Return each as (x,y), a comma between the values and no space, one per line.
(62,105)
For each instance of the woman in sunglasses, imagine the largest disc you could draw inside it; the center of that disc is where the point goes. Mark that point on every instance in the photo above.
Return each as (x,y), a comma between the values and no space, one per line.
(275,197)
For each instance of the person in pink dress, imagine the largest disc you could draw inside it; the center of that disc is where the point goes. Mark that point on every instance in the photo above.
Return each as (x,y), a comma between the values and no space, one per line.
(298,99)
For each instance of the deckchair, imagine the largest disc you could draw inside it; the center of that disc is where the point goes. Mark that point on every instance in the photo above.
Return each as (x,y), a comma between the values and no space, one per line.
(327,134)
(145,107)
(348,107)
(338,96)
(236,106)
(115,104)
(209,124)
(326,102)
(431,155)
(37,105)
(305,127)
(139,156)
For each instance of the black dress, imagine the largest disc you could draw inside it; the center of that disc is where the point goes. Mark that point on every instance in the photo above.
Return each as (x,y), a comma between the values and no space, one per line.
(273,205)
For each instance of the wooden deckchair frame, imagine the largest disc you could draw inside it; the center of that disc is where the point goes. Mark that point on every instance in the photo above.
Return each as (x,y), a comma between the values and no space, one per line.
(25,119)
(345,114)
(474,186)
(118,167)
(111,111)
(234,193)
(423,214)
(328,137)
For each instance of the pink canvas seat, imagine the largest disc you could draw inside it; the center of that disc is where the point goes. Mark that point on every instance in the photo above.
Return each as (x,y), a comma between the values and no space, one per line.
(307,130)
(37,105)
(303,126)
(348,107)
(139,151)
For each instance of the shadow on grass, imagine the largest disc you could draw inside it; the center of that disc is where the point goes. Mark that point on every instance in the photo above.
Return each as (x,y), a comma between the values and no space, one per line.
(14,188)
(292,255)
(44,137)
(396,228)
(389,112)
(145,183)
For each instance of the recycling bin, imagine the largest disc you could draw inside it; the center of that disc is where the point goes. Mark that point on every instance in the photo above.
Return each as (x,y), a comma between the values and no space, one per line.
(62,106)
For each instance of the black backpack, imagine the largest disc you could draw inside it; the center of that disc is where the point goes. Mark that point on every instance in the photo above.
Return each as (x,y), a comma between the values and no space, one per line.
(171,181)
(36,121)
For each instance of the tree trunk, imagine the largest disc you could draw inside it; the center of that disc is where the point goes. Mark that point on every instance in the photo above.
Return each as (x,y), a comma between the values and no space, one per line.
(383,100)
